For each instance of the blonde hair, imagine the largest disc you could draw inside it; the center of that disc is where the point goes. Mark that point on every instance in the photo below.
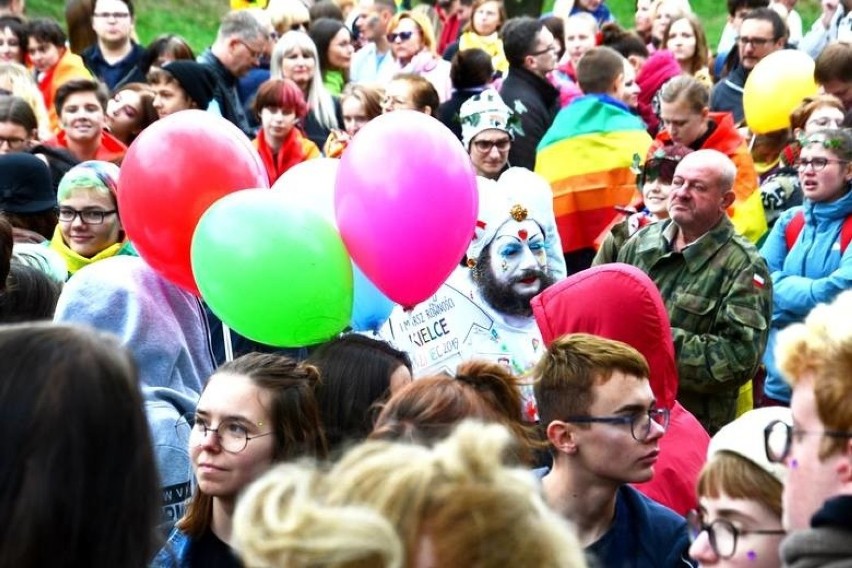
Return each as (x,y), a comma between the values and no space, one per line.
(427,32)
(25,87)
(284,12)
(320,102)
(474,510)
(821,346)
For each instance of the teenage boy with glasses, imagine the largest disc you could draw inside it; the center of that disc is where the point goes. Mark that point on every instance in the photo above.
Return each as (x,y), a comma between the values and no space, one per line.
(603,428)
(816,357)
(115,57)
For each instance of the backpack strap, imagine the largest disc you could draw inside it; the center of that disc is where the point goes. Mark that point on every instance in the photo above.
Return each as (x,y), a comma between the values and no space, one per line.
(794,229)
(797,223)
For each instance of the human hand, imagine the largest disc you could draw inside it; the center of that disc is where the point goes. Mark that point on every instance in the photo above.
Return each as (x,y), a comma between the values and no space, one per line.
(829,7)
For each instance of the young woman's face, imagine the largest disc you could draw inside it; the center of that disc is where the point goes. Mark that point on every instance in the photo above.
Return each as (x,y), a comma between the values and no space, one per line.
(10,47)
(85,236)
(124,113)
(684,124)
(825,178)
(398,96)
(406,40)
(486,18)
(642,18)
(239,410)
(299,66)
(630,91)
(277,123)
(354,115)
(681,40)
(822,118)
(340,50)
(579,38)
(728,515)
(13,138)
(666,12)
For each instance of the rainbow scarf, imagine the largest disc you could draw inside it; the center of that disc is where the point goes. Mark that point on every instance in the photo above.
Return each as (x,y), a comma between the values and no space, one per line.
(586,156)
(75,262)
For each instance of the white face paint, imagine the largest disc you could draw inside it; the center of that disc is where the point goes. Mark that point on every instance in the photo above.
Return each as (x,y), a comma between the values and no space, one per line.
(518,247)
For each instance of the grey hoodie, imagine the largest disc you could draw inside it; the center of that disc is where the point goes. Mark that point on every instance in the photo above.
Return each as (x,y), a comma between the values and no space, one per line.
(165,329)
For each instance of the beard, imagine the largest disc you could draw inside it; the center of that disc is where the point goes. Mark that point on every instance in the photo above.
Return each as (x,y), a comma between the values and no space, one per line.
(500,295)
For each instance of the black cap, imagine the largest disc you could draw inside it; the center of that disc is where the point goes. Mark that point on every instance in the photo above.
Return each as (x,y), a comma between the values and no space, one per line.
(25,184)
(194,78)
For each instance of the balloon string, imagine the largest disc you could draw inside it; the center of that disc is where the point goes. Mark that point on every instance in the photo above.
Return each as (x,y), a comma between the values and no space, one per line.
(229,349)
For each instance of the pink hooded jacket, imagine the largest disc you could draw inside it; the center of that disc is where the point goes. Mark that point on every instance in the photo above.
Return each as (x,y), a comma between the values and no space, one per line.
(620,302)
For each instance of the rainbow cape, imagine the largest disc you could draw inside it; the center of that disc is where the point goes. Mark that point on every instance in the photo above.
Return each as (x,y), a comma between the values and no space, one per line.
(586,156)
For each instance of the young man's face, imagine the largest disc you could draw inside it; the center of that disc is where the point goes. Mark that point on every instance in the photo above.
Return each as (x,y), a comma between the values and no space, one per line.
(756,41)
(82,117)
(44,55)
(111,21)
(610,451)
(170,98)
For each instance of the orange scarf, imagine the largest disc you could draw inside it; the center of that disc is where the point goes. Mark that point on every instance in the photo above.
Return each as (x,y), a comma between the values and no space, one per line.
(291,153)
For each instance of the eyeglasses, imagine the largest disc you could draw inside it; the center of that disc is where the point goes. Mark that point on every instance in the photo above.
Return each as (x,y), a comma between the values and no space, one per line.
(401,36)
(640,423)
(778,439)
(721,533)
(12,142)
(115,15)
(232,435)
(255,53)
(818,164)
(755,41)
(551,47)
(485,146)
(662,169)
(88,216)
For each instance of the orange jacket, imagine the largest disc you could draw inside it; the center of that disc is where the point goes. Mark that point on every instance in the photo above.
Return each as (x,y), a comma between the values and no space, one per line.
(70,66)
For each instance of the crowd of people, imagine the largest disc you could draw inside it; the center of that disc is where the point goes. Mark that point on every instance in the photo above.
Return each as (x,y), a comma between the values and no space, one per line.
(645,349)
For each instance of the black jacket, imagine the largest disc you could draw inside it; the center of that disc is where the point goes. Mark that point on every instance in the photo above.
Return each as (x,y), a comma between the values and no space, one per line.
(541,101)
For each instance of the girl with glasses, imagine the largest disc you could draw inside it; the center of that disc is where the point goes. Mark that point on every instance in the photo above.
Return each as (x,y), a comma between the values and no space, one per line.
(412,43)
(255,411)
(89,227)
(805,251)
(738,522)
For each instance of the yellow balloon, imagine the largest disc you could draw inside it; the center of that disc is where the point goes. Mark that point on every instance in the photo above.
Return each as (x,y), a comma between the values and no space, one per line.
(776,86)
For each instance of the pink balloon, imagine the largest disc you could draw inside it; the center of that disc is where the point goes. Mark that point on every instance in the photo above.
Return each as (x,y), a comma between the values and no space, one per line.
(406,204)
(172,173)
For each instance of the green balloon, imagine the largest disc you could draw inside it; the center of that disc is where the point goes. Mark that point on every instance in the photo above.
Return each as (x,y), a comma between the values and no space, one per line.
(272,270)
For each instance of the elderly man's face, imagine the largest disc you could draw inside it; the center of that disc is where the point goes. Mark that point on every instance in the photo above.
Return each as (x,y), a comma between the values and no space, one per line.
(513,268)
(697,201)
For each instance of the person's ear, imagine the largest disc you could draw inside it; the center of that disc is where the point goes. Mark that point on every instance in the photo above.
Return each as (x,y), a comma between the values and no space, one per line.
(705,113)
(561,436)
(616,85)
(636,61)
(844,464)
(728,198)
(427,110)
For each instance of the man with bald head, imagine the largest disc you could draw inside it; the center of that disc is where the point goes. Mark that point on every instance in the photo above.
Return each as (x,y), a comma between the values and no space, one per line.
(715,285)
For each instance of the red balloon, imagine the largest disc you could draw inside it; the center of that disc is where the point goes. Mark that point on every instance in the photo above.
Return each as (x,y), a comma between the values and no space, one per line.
(171,174)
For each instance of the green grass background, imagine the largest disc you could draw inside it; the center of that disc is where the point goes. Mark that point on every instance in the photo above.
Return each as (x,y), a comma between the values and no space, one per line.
(197,20)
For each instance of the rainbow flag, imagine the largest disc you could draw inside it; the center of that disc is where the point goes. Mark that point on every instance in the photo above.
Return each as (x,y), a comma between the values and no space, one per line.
(586,156)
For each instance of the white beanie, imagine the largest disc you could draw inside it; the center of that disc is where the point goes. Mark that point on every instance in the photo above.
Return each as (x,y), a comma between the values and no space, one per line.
(519,195)
(484,111)
(744,437)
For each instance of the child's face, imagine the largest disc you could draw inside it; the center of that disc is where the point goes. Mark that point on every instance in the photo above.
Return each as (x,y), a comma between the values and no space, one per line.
(44,55)
(590,5)
(579,38)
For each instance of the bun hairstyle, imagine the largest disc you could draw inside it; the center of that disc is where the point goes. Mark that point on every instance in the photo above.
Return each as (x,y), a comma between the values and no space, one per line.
(625,42)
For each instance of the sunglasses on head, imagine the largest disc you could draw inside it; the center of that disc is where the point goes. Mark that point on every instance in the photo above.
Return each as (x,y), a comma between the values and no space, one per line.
(658,168)
(402,36)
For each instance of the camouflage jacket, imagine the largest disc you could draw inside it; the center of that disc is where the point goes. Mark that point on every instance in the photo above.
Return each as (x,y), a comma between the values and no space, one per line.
(718,294)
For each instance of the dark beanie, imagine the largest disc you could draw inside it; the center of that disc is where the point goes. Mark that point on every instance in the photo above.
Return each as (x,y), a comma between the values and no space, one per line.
(194,78)
(25,184)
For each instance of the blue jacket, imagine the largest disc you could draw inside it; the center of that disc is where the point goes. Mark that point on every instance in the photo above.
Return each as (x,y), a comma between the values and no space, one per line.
(810,273)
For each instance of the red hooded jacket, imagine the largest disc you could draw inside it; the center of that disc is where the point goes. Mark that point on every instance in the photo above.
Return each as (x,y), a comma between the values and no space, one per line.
(620,302)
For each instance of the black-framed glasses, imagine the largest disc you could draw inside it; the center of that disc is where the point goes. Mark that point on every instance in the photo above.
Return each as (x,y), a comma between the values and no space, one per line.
(13,142)
(88,216)
(721,533)
(755,41)
(485,146)
(115,15)
(551,47)
(640,423)
(778,439)
(232,435)
(401,36)
(818,163)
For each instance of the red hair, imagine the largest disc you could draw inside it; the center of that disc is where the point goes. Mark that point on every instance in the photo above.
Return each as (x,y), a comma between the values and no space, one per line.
(281,93)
